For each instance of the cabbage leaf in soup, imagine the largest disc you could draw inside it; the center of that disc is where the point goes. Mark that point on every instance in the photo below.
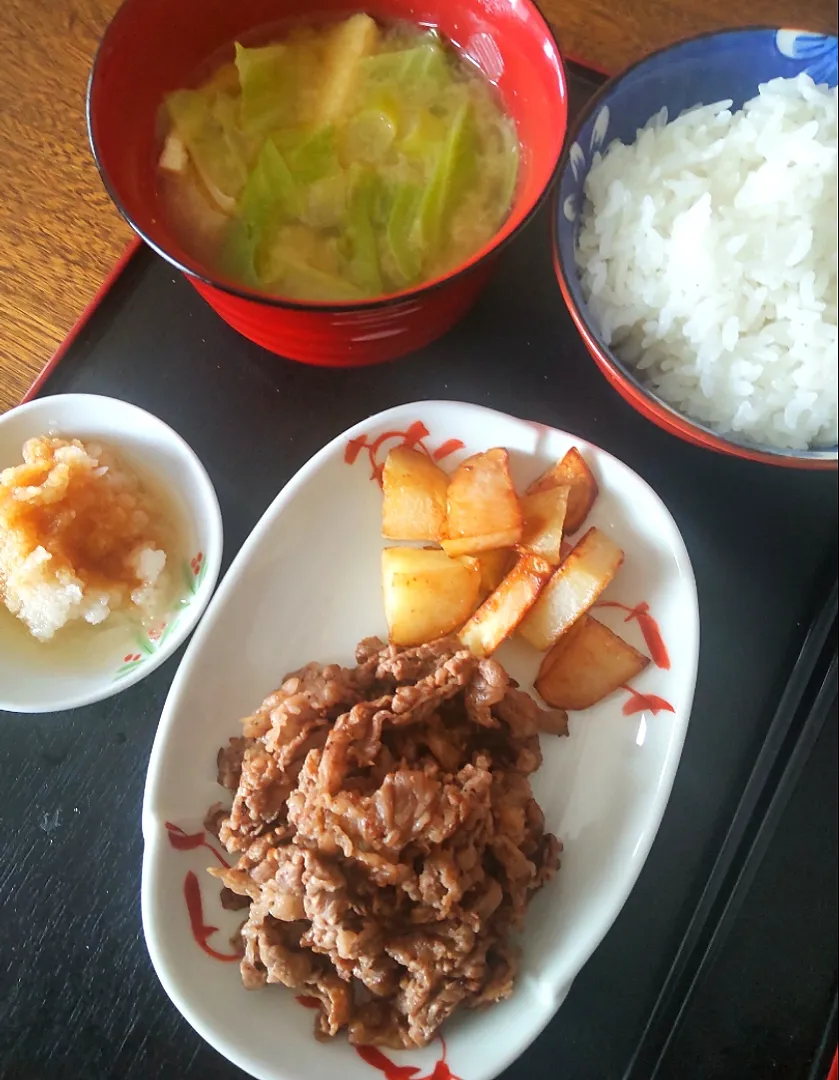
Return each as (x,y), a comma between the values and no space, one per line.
(270,196)
(266,78)
(206,129)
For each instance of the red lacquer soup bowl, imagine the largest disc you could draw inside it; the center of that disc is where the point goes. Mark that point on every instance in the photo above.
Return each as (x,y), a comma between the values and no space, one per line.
(155,46)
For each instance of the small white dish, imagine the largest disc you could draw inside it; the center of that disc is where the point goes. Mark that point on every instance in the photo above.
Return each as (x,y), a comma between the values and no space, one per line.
(38,677)
(306,586)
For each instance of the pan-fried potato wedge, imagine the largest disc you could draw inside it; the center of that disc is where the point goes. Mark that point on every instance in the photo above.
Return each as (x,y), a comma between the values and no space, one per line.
(426,593)
(504,609)
(544,519)
(574,587)
(494,568)
(475,545)
(573,472)
(588,663)
(483,508)
(414,503)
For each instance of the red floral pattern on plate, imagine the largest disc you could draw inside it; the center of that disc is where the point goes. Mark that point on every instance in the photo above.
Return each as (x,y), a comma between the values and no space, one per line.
(374,1056)
(657,649)
(182,841)
(201,931)
(649,628)
(639,702)
(413,437)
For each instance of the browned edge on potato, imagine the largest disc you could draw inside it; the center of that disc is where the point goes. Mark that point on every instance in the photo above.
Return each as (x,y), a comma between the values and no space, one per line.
(483,511)
(544,523)
(414,496)
(572,471)
(505,608)
(588,663)
(575,586)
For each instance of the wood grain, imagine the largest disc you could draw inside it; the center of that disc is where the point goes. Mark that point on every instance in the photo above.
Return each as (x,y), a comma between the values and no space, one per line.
(59,233)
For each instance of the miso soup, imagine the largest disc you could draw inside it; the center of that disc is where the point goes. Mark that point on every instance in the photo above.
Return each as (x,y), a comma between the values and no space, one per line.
(341,162)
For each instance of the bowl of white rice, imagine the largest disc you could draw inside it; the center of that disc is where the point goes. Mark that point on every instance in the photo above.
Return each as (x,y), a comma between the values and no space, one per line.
(695,241)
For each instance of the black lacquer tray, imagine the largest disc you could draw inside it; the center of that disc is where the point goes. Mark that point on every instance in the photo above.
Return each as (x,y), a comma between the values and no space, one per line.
(723,962)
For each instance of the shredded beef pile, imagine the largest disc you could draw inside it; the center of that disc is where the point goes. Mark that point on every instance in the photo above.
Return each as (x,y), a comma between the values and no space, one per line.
(388,838)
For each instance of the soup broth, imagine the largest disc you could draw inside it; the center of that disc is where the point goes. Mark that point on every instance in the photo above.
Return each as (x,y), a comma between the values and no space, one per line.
(341,162)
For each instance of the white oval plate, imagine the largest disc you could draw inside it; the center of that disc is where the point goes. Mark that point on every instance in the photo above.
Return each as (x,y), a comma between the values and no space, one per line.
(306,586)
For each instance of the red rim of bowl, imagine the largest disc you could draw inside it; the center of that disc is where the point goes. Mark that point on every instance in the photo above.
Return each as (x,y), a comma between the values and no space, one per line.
(489,250)
(621,378)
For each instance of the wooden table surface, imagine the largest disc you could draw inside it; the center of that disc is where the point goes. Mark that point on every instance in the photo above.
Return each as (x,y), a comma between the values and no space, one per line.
(59,233)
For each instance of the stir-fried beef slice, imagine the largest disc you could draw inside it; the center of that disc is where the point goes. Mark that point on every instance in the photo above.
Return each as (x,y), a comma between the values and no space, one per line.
(487,688)
(444,965)
(236,881)
(229,762)
(273,954)
(355,738)
(395,666)
(233,901)
(547,859)
(275,881)
(447,745)
(447,876)
(368,649)
(377,1023)
(388,837)
(410,807)
(260,800)
(215,815)
(314,692)
(501,967)
(525,718)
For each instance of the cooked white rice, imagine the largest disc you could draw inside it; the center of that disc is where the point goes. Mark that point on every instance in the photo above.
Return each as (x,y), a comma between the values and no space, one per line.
(708,255)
